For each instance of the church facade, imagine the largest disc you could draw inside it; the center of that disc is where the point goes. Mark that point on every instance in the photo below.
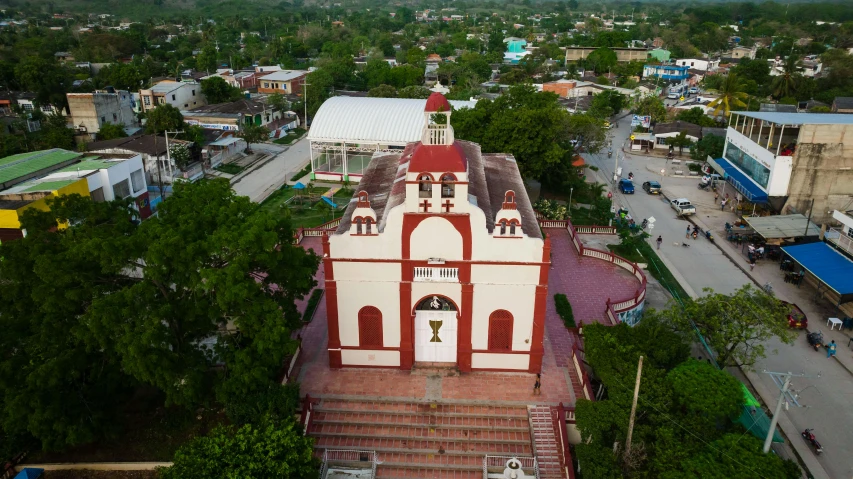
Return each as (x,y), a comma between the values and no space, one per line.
(438,259)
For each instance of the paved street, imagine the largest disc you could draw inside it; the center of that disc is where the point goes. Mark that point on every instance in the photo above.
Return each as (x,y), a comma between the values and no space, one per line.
(271,175)
(704,265)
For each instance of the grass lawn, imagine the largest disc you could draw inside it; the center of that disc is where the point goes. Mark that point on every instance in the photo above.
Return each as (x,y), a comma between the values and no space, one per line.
(277,199)
(229,168)
(343,193)
(304,216)
(312,217)
(292,136)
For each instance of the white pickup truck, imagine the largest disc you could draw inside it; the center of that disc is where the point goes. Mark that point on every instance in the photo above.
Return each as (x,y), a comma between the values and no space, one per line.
(682,206)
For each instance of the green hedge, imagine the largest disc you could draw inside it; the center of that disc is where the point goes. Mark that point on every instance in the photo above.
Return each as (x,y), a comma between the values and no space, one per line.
(299,174)
(313,301)
(564,309)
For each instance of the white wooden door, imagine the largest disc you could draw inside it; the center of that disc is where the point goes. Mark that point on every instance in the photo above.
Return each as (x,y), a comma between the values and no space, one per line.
(435,336)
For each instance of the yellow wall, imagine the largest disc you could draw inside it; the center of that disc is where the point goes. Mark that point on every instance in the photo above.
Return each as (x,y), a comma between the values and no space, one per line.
(11,218)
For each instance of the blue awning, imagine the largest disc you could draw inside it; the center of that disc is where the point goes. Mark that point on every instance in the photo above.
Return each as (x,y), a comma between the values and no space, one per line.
(826,264)
(744,184)
(30,473)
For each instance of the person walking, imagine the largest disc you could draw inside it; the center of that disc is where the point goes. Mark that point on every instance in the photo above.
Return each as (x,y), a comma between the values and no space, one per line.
(537,385)
(687,234)
(659,241)
(716,197)
(830,349)
(723,205)
(752,263)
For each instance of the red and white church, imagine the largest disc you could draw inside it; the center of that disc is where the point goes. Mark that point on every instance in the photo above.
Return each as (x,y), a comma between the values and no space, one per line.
(438,259)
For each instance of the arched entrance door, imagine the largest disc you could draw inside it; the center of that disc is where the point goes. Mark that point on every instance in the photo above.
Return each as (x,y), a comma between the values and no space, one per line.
(435,330)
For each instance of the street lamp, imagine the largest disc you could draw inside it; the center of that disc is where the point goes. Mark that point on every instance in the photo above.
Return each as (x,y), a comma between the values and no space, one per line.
(571,190)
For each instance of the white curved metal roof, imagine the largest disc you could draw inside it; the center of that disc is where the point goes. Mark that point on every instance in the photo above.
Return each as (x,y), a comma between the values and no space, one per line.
(391,121)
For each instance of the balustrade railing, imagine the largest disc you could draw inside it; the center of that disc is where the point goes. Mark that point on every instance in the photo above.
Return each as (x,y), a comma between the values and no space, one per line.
(442,275)
(499,462)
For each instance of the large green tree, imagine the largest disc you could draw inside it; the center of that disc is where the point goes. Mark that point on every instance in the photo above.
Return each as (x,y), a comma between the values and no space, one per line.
(709,145)
(217,90)
(737,325)
(269,449)
(731,96)
(254,134)
(163,118)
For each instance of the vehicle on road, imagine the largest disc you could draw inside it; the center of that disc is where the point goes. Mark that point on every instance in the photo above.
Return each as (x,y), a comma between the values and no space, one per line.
(694,91)
(626,186)
(672,96)
(815,339)
(683,207)
(796,317)
(808,435)
(652,187)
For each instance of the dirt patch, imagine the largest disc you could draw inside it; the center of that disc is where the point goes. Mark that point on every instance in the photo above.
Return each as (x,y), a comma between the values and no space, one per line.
(90,474)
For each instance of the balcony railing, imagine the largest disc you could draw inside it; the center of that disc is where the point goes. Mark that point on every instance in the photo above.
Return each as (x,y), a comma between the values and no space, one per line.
(840,239)
(440,275)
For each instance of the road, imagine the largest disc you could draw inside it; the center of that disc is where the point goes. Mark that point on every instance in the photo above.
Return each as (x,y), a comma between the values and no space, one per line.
(272,174)
(704,265)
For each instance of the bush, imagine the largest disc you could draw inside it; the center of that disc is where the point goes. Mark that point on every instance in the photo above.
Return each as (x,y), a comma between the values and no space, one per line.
(277,401)
(564,309)
(299,174)
(313,301)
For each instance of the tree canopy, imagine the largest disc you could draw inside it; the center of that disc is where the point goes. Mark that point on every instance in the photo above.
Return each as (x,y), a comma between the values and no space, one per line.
(163,118)
(217,90)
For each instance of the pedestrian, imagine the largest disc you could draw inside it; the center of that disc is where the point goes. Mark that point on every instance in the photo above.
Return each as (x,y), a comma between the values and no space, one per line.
(723,205)
(830,349)
(733,206)
(660,240)
(716,196)
(536,385)
(752,263)
(727,197)
(760,252)
(687,235)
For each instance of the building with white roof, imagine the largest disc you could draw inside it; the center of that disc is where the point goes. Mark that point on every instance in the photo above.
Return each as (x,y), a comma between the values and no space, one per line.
(347,131)
(181,95)
(285,82)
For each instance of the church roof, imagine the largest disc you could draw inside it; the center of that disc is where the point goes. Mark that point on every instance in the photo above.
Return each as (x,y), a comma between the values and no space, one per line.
(442,158)
(387,121)
(490,176)
(437,102)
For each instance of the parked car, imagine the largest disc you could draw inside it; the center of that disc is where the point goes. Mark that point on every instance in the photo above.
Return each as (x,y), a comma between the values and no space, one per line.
(626,186)
(694,91)
(672,96)
(652,187)
(682,206)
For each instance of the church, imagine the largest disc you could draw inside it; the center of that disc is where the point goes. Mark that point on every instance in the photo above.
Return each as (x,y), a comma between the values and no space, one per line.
(438,260)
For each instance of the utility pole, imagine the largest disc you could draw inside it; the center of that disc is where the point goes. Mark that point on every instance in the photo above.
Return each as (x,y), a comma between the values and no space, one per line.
(791,399)
(305,99)
(633,408)
(169,155)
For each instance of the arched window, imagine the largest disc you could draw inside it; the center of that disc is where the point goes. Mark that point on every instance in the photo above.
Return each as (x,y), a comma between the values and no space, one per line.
(500,330)
(425,186)
(503,227)
(512,225)
(358,229)
(447,185)
(368,222)
(370,327)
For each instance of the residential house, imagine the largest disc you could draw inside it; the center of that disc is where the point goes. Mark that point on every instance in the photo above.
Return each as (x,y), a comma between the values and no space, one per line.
(701,64)
(811,67)
(242,79)
(63,57)
(515,50)
(181,95)
(777,108)
(842,104)
(738,52)
(674,75)
(268,69)
(664,131)
(285,82)
(660,55)
(91,110)
(160,168)
(232,116)
(623,55)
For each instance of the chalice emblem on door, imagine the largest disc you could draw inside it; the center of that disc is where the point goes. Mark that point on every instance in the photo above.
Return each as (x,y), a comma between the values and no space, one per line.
(435,326)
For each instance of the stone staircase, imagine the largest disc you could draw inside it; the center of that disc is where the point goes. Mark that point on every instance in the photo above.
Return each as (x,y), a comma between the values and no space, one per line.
(423,440)
(546,442)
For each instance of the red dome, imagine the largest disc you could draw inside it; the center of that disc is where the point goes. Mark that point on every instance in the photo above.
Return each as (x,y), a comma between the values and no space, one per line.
(437,102)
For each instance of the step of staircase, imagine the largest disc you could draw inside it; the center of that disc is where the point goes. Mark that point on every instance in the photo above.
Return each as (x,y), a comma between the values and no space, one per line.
(424,440)
(546,442)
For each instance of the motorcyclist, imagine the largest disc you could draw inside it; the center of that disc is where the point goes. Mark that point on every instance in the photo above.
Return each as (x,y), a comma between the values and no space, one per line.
(630,176)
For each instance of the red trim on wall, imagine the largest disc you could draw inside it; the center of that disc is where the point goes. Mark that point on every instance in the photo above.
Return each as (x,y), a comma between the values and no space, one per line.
(455,263)
(487,351)
(369,348)
(464,327)
(461,222)
(458,309)
(332,319)
(407,321)
(536,346)
(546,261)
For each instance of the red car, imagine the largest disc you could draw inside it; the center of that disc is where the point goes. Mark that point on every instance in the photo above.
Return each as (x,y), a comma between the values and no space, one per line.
(796,317)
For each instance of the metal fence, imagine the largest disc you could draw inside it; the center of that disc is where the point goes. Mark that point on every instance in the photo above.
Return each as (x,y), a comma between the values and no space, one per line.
(499,462)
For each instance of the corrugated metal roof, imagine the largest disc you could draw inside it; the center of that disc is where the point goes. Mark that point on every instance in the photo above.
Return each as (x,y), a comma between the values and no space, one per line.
(17,166)
(391,121)
(50,185)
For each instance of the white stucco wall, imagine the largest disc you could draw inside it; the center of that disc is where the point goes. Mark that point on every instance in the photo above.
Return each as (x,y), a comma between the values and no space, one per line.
(436,237)
(370,358)
(780,167)
(517,299)
(500,361)
(354,295)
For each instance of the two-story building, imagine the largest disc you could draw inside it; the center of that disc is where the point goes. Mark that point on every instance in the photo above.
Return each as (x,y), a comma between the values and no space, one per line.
(796,162)
(231,116)
(673,75)
(623,55)
(181,95)
(91,110)
(285,82)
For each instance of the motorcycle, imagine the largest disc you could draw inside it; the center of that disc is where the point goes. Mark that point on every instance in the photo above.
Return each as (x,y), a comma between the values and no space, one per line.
(695,234)
(609,154)
(809,436)
(631,176)
(709,235)
(815,339)
(703,186)
(644,224)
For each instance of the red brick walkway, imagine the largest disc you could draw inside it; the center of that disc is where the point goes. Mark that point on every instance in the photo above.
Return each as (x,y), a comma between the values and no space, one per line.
(587,282)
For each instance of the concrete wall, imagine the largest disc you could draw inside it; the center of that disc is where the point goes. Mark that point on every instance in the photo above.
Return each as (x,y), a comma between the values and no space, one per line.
(822,170)
(91,110)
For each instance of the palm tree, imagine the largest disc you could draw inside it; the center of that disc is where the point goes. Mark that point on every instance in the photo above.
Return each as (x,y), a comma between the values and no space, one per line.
(787,82)
(731,95)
